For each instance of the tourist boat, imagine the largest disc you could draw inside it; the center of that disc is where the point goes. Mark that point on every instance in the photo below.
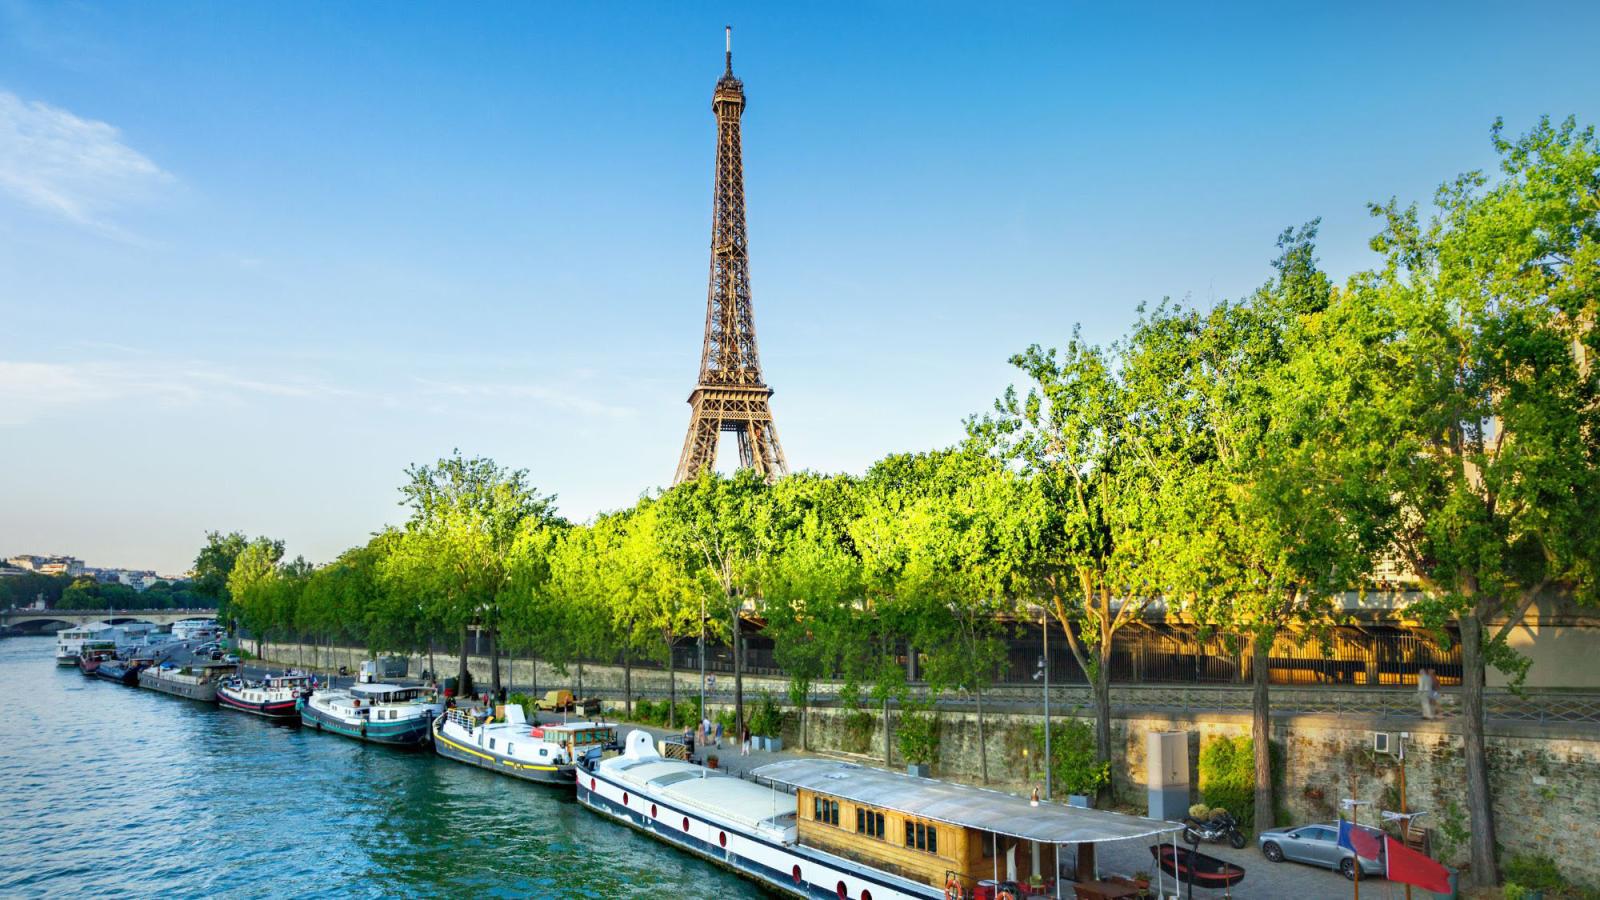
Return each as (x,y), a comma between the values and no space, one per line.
(380,713)
(92,653)
(543,753)
(1191,866)
(194,682)
(197,629)
(855,832)
(275,696)
(70,641)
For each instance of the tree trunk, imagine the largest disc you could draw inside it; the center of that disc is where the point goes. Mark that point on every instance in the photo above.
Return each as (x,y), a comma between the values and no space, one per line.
(886,730)
(805,724)
(579,691)
(1485,870)
(1261,729)
(738,675)
(461,668)
(494,663)
(983,745)
(627,684)
(533,678)
(672,686)
(1102,715)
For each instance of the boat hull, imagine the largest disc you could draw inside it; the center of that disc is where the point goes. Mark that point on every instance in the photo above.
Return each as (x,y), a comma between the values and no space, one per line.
(67,659)
(448,747)
(280,710)
(205,693)
(120,674)
(413,733)
(741,851)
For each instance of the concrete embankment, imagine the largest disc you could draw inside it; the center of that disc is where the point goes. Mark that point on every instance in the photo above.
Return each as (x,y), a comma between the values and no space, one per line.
(1543,776)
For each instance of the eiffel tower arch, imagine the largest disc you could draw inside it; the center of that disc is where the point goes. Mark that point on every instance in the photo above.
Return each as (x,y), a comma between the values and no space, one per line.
(730,395)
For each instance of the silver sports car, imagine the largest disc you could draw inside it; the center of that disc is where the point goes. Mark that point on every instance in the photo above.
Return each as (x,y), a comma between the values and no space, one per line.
(1317,845)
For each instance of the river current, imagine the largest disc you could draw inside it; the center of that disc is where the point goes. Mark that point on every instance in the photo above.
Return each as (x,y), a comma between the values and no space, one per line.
(117,791)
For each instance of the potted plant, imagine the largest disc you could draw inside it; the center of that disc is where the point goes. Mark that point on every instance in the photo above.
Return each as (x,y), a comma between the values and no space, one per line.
(711,760)
(918,732)
(766,724)
(1073,765)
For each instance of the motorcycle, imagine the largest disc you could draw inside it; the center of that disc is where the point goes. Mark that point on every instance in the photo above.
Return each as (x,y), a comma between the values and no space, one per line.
(1221,825)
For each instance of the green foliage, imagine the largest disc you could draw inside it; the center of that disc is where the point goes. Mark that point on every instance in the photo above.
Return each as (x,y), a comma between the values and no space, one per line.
(212,566)
(1227,776)
(917,733)
(858,725)
(525,701)
(767,719)
(1075,766)
(1534,871)
(22,590)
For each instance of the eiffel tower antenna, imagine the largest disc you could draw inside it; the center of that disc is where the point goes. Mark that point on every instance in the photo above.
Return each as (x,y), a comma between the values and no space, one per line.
(730,394)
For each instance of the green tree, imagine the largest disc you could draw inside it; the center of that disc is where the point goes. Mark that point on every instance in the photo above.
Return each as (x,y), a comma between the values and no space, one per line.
(252,587)
(1088,435)
(715,526)
(1460,376)
(452,557)
(212,566)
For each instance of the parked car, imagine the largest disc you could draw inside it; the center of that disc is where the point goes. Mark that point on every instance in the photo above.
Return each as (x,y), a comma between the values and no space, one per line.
(1317,845)
(556,701)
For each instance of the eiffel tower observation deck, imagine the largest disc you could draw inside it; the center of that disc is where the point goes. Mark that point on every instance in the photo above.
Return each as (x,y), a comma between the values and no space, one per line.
(730,395)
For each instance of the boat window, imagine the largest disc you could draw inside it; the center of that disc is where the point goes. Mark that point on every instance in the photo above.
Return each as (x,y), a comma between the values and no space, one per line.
(543,752)
(825,811)
(922,837)
(869,823)
(511,749)
(491,743)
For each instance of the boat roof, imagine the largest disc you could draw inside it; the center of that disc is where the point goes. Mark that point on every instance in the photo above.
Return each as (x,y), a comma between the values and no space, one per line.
(577,726)
(713,792)
(961,805)
(383,688)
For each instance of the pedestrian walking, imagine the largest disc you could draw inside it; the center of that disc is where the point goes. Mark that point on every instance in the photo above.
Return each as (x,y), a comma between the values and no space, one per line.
(744,740)
(1428,693)
(719,735)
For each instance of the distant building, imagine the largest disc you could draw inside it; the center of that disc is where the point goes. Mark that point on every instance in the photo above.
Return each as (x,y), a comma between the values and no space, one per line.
(48,565)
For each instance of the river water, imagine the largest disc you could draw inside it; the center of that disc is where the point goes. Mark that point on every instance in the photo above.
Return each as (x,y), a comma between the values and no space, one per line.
(120,791)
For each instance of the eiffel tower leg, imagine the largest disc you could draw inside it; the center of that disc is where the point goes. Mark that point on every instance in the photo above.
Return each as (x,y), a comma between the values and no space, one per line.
(699,445)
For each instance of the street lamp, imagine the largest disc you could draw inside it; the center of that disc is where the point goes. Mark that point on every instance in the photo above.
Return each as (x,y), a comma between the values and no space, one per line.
(1043,672)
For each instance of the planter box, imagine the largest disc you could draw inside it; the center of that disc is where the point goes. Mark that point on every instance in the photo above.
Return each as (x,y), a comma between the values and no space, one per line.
(772,743)
(1083,801)
(920,770)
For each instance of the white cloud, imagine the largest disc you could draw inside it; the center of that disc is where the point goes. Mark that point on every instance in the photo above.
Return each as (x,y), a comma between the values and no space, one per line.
(34,390)
(75,168)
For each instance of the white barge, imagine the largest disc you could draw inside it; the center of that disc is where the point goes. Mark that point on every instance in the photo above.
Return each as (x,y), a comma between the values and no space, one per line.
(516,747)
(850,832)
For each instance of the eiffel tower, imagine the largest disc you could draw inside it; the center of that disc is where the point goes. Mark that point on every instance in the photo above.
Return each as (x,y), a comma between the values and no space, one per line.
(730,395)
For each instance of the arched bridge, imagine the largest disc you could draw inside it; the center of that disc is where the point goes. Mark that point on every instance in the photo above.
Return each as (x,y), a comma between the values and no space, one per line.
(49,621)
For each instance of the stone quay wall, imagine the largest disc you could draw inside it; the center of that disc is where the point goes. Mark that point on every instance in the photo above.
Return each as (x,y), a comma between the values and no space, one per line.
(1545,779)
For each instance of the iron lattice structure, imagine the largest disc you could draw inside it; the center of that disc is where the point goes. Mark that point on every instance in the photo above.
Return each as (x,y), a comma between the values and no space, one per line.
(730,395)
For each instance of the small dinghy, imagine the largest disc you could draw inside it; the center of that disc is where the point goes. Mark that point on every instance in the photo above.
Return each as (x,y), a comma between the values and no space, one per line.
(1196,868)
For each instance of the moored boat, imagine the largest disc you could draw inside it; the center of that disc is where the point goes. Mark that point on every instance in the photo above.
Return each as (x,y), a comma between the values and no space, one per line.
(274,697)
(122,671)
(193,682)
(393,714)
(93,653)
(850,831)
(532,752)
(70,641)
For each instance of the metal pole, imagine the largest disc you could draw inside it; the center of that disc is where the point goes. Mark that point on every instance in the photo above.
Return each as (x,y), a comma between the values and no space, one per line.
(1405,823)
(702,661)
(1049,761)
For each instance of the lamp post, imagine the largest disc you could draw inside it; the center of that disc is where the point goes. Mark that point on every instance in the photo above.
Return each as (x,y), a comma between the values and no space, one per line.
(1044,674)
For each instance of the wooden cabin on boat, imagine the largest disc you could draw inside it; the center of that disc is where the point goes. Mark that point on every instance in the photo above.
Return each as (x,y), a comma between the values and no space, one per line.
(964,840)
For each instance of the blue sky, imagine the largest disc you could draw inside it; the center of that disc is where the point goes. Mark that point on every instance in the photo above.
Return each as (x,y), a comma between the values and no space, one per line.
(257,258)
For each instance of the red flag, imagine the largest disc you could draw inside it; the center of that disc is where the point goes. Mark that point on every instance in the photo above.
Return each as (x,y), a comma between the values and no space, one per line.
(1407,866)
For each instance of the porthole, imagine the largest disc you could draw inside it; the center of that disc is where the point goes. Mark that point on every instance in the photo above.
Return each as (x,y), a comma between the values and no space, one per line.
(653,814)
(591,784)
(685,823)
(843,894)
(866,894)
(796,874)
(722,838)
(624,798)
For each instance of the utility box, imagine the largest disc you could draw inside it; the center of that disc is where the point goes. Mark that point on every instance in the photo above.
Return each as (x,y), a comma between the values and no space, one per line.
(1167,764)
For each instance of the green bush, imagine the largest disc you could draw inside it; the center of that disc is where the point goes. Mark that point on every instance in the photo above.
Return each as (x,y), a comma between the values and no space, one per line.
(1074,768)
(767,719)
(1533,871)
(1228,777)
(918,735)
(524,701)
(858,731)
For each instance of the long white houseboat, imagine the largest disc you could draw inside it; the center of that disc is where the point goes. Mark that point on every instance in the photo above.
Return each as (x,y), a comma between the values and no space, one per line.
(532,752)
(130,638)
(850,832)
(196,629)
(380,713)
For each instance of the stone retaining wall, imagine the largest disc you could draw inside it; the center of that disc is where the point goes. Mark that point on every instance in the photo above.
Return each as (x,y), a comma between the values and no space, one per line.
(1546,781)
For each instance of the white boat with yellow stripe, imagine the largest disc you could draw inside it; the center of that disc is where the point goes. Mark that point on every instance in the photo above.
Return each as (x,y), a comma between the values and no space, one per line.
(515,747)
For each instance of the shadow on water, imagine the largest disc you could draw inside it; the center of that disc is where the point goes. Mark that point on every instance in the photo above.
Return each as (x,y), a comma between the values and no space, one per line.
(124,791)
